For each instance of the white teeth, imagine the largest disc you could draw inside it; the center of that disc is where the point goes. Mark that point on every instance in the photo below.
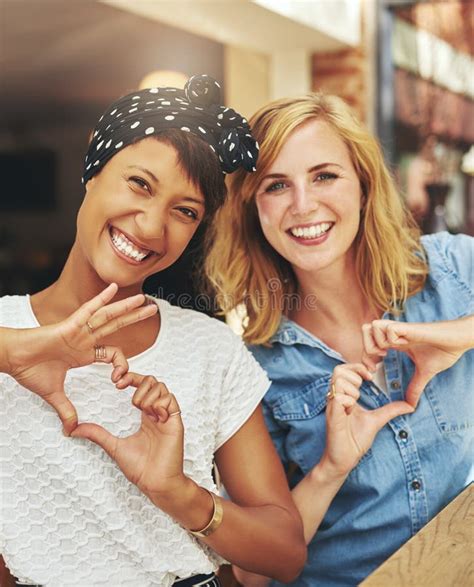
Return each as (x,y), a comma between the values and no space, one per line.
(126,247)
(311,231)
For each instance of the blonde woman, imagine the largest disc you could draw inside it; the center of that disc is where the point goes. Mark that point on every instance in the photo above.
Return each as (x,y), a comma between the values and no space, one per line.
(362,326)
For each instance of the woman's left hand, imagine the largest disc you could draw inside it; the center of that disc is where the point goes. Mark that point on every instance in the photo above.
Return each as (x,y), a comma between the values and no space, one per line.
(350,428)
(152,458)
(432,346)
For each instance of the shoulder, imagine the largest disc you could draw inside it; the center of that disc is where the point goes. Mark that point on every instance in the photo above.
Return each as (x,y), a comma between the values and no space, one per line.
(265,354)
(15,312)
(448,291)
(449,256)
(445,242)
(208,335)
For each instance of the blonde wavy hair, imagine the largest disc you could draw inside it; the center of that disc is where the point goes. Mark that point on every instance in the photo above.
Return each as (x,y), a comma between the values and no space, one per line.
(244,269)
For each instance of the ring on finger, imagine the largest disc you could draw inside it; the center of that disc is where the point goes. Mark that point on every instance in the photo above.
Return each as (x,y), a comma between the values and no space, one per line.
(331,394)
(100,352)
(174,414)
(90,328)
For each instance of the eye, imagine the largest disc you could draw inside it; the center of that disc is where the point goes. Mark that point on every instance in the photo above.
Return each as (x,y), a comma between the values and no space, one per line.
(140,182)
(325,176)
(189,213)
(275,186)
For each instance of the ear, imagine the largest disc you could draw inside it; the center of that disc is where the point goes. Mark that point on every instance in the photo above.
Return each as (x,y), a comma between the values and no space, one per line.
(89,183)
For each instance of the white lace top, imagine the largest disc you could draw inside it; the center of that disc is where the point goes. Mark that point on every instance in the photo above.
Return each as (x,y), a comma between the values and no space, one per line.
(68,514)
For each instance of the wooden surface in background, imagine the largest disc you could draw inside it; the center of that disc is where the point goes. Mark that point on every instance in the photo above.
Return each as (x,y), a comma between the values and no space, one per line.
(440,555)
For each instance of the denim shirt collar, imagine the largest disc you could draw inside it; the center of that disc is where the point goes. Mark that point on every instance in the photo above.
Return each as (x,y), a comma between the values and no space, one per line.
(290,333)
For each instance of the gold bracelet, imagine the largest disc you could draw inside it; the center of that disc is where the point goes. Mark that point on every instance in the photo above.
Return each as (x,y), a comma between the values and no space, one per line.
(215,521)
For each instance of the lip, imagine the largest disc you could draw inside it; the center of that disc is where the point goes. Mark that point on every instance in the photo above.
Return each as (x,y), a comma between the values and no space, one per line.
(129,260)
(309,242)
(132,239)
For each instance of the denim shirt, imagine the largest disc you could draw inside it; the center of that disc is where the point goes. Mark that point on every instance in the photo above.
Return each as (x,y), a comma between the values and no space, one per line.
(417,463)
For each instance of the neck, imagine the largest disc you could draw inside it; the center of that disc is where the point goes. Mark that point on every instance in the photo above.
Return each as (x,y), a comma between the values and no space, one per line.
(338,295)
(77,284)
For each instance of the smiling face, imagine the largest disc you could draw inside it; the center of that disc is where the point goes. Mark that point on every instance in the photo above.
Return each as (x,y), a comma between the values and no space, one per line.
(138,215)
(309,199)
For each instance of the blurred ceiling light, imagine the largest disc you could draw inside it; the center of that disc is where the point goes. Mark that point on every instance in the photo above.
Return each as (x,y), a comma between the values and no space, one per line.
(163,78)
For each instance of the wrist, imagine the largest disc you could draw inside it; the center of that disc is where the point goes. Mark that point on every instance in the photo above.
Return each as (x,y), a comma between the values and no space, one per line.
(17,351)
(326,473)
(25,347)
(186,502)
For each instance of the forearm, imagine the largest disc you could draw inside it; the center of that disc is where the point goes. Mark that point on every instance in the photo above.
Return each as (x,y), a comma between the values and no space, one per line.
(22,347)
(6,345)
(456,334)
(313,496)
(264,539)
(464,328)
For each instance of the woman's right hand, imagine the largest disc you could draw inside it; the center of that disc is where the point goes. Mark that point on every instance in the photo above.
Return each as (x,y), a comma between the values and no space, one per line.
(350,428)
(38,358)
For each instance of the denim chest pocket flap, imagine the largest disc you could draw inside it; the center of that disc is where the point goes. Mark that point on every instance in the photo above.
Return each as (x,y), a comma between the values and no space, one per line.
(303,413)
(303,403)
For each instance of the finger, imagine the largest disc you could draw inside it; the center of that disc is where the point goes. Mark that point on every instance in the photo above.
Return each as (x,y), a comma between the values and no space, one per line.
(85,312)
(147,383)
(110,311)
(349,389)
(124,381)
(65,410)
(113,355)
(369,343)
(383,415)
(415,388)
(370,363)
(347,375)
(344,386)
(151,397)
(353,372)
(165,406)
(130,379)
(379,335)
(99,435)
(346,401)
(395,333)
(133,315)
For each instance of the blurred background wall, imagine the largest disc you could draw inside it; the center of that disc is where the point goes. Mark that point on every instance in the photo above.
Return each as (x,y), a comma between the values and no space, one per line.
(405,67)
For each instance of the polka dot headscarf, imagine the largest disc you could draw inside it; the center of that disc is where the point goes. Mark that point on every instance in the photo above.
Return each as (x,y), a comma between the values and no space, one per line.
(195,109)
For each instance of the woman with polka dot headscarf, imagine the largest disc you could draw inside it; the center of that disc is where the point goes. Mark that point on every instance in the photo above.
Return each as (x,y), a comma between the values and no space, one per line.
(138,504)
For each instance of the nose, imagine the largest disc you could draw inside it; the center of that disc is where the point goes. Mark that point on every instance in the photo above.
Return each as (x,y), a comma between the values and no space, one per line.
(303,200)
(151,223)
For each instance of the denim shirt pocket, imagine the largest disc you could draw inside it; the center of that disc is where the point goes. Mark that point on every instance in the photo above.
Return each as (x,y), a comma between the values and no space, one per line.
(302,412)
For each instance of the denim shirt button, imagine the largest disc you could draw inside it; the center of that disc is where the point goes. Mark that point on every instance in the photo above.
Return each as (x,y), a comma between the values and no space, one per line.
(416,485)
(395,384)
(403,434)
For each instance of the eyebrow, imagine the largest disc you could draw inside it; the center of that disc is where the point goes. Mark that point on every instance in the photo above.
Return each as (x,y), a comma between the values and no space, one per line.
(156,180)
(310,170)
(145,170)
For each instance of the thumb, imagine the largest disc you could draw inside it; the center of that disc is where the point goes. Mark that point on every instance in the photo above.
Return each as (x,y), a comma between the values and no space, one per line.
(415,388)
(66,411)
(386,413)
(99,435)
